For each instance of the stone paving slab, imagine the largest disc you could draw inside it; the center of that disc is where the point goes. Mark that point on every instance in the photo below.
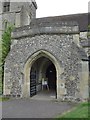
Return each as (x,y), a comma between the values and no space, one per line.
(29,108)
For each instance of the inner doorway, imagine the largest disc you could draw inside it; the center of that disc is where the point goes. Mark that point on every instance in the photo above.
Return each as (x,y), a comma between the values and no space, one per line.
(43,69)
(51,75)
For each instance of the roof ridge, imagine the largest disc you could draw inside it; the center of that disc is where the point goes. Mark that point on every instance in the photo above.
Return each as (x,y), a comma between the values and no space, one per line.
(77,14)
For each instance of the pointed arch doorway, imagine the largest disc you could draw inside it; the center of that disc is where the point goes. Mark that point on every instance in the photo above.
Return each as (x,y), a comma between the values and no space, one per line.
(43,77)
(41,65)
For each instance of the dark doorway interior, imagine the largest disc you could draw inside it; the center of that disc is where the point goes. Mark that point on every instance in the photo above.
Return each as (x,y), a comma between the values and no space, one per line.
(51,75)
(43,78)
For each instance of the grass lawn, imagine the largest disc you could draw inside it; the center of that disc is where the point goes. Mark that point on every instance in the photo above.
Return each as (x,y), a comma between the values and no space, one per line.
(0,85)
(80,111)
(4,98)
(0,67)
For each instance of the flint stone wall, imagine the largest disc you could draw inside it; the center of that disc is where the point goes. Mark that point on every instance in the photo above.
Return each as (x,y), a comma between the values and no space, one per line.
(61,46)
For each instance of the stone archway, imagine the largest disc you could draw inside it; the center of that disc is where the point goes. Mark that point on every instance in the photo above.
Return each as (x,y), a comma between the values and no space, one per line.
(43,70)
(27,69)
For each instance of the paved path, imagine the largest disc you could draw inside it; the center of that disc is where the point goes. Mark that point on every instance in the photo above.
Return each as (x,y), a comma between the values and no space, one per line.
(29,108)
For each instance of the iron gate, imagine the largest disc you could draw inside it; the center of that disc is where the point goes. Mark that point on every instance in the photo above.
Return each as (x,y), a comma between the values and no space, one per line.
(32,83)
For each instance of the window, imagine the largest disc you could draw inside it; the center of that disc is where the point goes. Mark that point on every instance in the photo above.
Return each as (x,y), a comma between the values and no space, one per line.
(6,7)
(5,25)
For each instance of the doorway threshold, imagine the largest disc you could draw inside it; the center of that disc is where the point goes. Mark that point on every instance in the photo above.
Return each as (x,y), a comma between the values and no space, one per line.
(44,95)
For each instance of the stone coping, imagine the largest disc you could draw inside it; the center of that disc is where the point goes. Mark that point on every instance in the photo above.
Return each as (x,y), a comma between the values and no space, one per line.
(28,31)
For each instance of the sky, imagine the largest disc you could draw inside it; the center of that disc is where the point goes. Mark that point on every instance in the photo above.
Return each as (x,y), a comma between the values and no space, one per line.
(60,7)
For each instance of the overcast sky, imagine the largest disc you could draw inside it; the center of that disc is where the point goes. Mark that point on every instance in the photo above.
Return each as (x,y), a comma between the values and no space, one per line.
(60,7)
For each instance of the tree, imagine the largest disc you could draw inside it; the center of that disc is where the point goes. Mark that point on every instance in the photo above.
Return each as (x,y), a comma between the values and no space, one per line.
(88,34)
(6,42)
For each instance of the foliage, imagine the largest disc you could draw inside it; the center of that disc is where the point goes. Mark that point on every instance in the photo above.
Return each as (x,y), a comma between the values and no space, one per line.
(89,27)
(88,34)
(4,50)
(6,42)
(4,99)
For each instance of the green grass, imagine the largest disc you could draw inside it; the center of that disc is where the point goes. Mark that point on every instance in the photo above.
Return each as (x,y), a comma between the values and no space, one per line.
(4,98)
(0,80)
(0,68)
(80,111)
